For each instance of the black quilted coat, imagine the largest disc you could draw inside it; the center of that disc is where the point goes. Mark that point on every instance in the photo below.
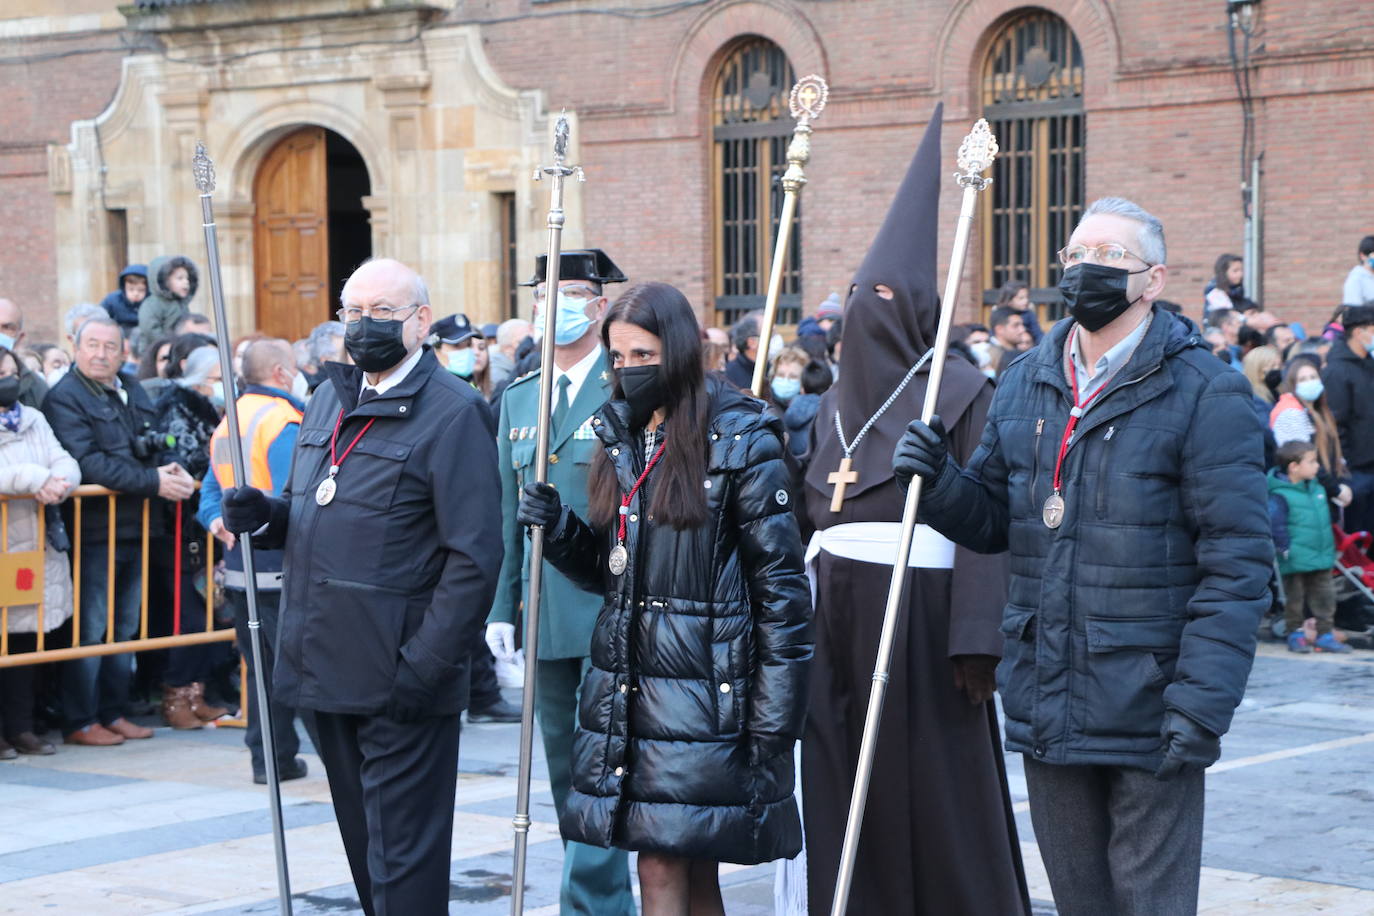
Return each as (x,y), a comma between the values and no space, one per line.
(699,661)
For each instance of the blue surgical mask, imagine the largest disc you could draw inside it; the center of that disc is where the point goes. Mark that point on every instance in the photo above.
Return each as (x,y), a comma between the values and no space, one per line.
(7,342)
(785,389)
(1309,389)
(217,394)
(462,362)
(571,318)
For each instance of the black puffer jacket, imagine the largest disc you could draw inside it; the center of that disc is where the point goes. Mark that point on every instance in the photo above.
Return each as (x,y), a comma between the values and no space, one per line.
(1148,595)
(699,660)
(1349,381)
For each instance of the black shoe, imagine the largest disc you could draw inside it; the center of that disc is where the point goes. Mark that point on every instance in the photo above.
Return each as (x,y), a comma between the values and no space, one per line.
(500,711)
(293,770)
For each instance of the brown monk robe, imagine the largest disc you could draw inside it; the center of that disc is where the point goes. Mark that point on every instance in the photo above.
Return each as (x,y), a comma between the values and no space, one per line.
(939,835)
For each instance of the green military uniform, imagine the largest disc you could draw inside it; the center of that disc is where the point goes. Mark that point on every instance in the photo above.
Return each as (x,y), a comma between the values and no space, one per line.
(595,881)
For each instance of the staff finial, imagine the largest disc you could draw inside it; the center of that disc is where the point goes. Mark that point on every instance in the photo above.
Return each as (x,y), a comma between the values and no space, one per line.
(203,169)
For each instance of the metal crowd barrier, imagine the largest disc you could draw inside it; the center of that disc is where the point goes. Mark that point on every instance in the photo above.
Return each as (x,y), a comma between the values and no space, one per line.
(22,584)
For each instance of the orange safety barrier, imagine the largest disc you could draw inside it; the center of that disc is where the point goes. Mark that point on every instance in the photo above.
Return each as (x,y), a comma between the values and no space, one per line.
(22,581)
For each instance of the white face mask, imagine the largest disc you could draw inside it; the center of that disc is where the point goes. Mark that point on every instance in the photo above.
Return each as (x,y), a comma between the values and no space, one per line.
(300,388)
(56,375)
(775,346)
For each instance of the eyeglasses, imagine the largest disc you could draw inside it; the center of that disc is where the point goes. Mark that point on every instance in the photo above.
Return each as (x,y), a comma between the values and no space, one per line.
(577,292)
(1108,253)
(376,313)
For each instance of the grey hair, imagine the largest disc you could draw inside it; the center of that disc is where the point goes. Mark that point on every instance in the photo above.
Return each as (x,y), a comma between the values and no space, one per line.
(418,292)
(1151,233)
(78,315)
(103,320)
(512,331)
(199,362)
(324,341)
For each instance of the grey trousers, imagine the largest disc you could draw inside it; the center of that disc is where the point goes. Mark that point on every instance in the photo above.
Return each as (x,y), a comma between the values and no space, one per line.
(1117,841)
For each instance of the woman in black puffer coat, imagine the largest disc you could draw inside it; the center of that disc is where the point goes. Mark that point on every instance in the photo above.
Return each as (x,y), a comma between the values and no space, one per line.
(699,661)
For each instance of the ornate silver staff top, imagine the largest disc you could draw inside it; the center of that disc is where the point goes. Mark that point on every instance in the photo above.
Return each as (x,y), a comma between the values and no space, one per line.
(808,98)
(203,169)
(560,169)
(975,156)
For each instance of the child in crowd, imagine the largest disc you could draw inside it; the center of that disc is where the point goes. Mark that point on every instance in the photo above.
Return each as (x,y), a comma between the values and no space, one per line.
(1301,522)
(173,281)
(801,411)
(123,303)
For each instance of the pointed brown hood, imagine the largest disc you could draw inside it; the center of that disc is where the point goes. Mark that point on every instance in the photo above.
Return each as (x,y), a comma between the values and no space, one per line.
(884,338)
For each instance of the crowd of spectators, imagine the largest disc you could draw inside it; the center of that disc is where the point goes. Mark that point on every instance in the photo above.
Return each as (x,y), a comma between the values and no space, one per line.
(131,399)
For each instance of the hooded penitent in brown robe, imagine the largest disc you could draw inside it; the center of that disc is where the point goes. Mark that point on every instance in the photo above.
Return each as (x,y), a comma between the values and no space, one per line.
(939,835)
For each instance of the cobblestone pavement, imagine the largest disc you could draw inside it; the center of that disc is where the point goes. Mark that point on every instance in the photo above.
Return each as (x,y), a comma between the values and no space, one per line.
(174,825)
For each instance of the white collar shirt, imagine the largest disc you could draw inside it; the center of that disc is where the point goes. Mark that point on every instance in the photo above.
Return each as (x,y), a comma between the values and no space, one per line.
(395,378)
(577,374)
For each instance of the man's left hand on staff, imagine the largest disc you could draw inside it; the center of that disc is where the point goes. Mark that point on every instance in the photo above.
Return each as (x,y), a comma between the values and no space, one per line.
(245,510)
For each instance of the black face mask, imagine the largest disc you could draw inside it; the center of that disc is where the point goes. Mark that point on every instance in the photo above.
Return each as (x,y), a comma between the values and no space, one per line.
(643,388)
(1272,379)
(375,346)
(9,391)
(1096,294)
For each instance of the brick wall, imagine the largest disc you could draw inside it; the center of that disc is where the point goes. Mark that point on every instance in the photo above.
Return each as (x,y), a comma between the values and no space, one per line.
(46,83)
(1163,126)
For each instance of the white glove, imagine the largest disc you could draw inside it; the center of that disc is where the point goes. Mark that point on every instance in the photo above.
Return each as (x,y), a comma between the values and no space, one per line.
(501,640)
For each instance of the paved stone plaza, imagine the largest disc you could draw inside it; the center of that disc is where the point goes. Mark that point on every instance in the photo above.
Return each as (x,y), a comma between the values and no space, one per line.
(174,825)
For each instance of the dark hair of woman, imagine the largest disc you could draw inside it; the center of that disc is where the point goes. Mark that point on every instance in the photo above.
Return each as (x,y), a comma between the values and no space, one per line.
(182,346)
(1220,269)
(677,498)
(1325,434)
(147,364)
(1009,290)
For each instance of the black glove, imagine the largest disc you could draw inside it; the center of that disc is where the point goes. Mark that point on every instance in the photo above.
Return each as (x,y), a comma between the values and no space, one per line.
(922,450)
(410,699)
(540,505)
(1186,744)
(244,509)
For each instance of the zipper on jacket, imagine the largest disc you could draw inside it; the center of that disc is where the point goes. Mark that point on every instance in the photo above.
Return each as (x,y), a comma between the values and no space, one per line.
(360,586)
(1102,472)
(1035,460)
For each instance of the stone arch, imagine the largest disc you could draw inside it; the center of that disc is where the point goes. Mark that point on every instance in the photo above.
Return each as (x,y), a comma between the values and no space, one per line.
(250,141)
(970,26)
(710,38)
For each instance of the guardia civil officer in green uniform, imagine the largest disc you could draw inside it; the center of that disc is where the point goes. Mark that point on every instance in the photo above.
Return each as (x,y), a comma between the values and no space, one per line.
(595,881)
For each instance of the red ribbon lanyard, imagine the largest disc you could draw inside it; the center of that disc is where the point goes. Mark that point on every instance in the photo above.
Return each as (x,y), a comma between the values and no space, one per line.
(1078,410)
(625,500)
(334,462)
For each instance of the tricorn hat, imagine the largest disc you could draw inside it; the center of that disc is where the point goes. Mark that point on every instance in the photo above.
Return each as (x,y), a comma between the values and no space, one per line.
(582,264)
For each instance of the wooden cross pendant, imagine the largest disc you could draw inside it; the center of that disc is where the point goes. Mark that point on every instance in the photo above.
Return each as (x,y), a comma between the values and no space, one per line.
(841,478)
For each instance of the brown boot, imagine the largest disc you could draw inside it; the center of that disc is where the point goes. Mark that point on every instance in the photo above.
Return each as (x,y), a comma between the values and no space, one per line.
(203,710)
(176,708)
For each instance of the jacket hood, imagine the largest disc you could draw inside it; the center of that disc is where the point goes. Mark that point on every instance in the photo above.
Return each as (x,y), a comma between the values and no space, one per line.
(1278,480)
(135,270)
(1340,350)
(722,396)
(161,269)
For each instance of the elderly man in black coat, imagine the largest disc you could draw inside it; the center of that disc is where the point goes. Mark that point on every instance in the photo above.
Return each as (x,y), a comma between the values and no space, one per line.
(1121,467)
(391,524)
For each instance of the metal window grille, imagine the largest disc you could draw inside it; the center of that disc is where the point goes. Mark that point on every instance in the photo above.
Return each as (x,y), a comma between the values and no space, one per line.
(1033,99)
(750,131)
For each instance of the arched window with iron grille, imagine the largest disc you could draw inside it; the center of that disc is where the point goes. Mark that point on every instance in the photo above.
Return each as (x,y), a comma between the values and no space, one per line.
(1032,93)
(750,130)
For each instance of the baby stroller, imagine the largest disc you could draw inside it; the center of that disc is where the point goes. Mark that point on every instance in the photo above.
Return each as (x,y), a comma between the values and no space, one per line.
(1354,587)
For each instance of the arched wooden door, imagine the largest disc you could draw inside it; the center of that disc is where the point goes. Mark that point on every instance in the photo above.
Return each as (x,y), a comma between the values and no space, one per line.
(291,236)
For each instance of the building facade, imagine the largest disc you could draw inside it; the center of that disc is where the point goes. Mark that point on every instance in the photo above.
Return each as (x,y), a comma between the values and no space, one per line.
(347,128)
